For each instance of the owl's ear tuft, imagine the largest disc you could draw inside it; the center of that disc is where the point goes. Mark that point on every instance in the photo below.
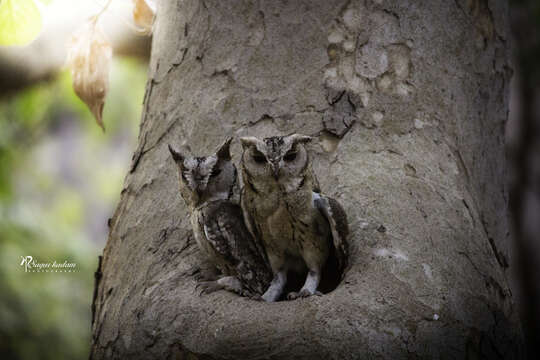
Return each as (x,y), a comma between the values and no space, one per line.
(224,152)
(299,138)
(248,141)
(176,155)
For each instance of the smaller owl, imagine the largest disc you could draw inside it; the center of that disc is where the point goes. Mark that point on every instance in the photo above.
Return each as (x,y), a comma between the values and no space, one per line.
(209,187)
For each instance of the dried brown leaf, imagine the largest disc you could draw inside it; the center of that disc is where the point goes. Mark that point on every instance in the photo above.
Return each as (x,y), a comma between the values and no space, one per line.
(143,15)
(89,57)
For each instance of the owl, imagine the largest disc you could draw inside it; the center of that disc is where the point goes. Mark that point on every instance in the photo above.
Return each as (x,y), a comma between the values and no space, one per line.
(209,187)
(298,226)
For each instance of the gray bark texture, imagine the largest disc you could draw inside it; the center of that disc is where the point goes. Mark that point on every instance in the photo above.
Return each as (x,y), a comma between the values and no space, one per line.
(408,101)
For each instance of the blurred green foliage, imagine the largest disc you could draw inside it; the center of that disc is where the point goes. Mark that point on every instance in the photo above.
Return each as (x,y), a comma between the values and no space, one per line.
(60,178)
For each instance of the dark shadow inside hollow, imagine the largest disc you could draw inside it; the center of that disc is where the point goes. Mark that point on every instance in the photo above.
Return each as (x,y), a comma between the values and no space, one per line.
(330,279)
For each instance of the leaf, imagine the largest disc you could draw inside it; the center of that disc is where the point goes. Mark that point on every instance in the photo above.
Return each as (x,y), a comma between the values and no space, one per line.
(143,15)
(20,22)
(89,57)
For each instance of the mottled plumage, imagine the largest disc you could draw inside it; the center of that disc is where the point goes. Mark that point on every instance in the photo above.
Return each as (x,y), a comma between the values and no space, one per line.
(210,189)
(284,208)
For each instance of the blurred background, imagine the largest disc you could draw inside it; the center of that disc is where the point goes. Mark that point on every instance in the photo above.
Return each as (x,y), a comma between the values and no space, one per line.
(61,176)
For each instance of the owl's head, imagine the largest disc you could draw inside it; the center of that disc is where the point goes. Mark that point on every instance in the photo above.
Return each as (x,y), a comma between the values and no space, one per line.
(208,177)
(277,156)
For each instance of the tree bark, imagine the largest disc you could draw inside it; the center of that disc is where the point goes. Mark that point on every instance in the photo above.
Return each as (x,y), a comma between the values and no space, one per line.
(408,100)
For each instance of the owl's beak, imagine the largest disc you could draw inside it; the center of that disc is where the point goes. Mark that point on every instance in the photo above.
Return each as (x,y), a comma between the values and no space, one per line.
(275,170)
(199,190)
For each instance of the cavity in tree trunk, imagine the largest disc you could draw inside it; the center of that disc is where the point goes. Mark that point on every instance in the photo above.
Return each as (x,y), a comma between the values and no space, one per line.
(408,101)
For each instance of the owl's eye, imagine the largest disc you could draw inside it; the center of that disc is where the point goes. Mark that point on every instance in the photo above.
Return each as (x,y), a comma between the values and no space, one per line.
(290,156)
(215,172)
(258,157)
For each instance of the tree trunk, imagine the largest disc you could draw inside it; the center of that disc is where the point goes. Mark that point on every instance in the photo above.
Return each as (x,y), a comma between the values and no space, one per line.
(408,100)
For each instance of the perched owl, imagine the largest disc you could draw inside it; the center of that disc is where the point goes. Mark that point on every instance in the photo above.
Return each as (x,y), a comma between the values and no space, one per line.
(283,207)
(210,189)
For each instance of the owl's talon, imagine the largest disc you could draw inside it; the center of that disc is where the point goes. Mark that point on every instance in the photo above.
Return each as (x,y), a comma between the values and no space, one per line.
(304,293)
(208,287)
(293,295)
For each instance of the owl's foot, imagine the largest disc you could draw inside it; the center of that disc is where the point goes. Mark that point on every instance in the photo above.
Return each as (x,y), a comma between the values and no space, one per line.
(255,297)
(309,288)
(293,295)
(208,287)
(230,283)
(203,273)
(276,287)
(302,294)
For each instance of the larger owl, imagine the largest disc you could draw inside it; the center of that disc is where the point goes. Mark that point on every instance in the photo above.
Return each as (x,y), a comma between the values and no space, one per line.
(283,206)
(209,187)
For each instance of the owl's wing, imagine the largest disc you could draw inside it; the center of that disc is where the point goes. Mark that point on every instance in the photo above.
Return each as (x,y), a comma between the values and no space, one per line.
(226,232)
(339,226)
(252,228)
